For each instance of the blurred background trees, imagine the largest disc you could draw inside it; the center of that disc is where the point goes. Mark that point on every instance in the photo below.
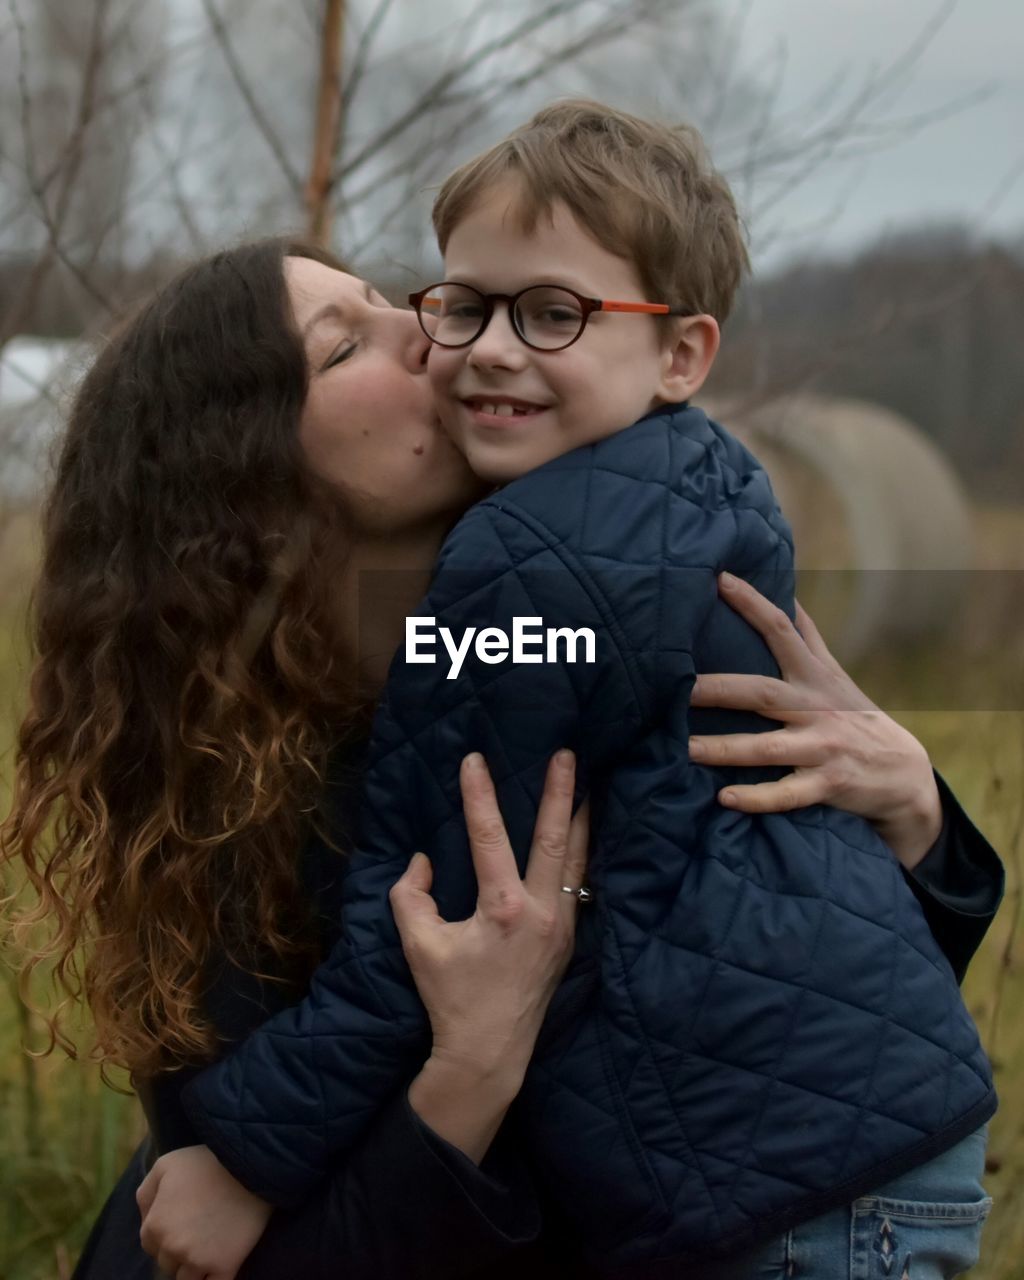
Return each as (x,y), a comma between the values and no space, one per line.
(926,322)
(136,134)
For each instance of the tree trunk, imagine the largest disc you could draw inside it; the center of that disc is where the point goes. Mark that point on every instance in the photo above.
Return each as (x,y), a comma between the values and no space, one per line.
(328,119)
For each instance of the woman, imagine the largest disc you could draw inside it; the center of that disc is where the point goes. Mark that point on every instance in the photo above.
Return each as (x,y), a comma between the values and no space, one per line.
(251,494)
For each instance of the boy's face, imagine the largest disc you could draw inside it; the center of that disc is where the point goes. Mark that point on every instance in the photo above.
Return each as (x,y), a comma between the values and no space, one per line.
(592,389)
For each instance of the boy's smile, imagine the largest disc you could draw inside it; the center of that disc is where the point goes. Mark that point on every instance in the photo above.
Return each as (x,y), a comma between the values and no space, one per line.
(504,408)
(511,408)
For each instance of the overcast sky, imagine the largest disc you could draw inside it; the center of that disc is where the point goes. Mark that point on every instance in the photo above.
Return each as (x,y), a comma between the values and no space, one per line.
(968,165)
(963,159)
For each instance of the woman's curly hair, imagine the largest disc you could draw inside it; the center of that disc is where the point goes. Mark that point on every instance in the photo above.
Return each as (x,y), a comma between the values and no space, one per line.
(187,683)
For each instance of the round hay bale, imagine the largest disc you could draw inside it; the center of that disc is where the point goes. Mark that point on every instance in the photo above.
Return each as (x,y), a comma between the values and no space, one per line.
(878,515)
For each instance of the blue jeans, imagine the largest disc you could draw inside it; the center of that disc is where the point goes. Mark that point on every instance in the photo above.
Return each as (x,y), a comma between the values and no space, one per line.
(924,1225)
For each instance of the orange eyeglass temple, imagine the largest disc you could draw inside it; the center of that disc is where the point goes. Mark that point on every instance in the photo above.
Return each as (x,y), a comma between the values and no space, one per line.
(644,308)
(649,308)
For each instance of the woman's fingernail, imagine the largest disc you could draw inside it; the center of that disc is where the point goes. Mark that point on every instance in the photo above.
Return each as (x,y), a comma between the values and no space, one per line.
(727,797)
(415,860)
(474,761)
(726,581)
(564,757)
(697,748)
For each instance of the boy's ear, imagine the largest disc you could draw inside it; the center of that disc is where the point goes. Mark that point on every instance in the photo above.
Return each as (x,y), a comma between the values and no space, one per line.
(689,352)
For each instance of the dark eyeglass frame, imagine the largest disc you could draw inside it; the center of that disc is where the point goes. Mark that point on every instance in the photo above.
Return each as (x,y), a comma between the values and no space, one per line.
(587,306)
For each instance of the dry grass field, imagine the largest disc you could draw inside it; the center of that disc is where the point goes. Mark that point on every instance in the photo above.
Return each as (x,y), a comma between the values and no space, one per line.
(63,1136)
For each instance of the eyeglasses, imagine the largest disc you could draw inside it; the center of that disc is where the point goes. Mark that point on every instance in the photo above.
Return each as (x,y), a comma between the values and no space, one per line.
(546,317)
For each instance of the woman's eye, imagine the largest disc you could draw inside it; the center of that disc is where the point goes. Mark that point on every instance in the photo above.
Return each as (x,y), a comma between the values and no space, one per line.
(340,355)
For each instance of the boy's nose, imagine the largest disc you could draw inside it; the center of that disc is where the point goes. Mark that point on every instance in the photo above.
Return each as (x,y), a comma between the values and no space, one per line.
(499,346)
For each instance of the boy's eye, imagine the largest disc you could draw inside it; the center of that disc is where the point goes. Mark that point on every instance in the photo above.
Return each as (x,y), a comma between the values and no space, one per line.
(463,310)
(550,310)
(559,315)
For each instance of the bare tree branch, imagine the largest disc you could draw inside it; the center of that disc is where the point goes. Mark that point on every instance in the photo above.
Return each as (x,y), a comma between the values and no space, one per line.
(171,166)
(54,251)
(846,133)
(103,103)
(724,76)
(843,139)
(438,91)
(479,103)
(259,117)
(168,55)
(361,58)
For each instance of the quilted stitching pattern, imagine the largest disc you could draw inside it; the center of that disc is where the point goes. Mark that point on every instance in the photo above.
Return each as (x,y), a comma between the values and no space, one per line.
(771,1020)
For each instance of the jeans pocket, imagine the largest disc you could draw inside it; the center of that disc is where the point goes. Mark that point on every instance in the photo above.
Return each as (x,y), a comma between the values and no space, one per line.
(914,1239)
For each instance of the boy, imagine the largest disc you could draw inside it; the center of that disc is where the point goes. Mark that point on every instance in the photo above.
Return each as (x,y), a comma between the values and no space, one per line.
(758,1027)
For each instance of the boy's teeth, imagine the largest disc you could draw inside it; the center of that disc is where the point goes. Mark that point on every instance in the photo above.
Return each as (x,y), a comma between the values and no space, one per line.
(500,410)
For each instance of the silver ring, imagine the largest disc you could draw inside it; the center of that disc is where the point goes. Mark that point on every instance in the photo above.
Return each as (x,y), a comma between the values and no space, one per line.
(582,894)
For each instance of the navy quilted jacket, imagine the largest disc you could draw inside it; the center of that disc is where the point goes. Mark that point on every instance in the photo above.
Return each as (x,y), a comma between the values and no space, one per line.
(757,1024)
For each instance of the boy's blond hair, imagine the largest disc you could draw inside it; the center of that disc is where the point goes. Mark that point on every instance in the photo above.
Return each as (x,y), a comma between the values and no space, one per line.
(644,191)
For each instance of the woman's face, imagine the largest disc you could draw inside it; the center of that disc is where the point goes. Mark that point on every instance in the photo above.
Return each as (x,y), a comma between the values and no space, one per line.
(369,427)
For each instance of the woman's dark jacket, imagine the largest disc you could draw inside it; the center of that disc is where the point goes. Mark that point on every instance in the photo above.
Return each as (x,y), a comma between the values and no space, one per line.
(408,1206)
(758,1025)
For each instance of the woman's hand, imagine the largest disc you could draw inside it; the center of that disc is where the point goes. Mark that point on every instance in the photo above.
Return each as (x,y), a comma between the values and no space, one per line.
(486,982)
(843,749)
(198,1222)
